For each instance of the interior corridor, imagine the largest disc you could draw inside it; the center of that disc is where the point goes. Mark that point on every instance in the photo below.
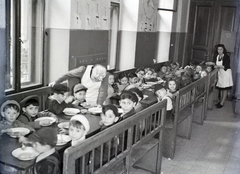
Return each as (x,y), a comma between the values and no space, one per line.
(214,147)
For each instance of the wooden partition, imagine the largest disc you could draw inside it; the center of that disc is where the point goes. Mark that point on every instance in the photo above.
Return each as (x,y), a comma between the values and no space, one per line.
(212,80)
(188,101)
(132,139)
(201,91)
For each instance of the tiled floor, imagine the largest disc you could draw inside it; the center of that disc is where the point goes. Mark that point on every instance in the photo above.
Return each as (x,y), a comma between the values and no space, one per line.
(214,147)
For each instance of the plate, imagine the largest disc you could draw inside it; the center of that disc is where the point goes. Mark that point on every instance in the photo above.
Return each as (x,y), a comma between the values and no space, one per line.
(86,105)
(97,110)
(62,139)
(25,154)
(63,125)
(71,111)
(49,120)
(17,131)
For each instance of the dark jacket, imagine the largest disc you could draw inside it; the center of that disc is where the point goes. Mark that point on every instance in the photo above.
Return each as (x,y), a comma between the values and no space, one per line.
(226,61)
(55,107)
(48,165)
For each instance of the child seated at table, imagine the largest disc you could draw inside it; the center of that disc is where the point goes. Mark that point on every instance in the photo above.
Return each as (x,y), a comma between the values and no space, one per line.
(133,78)
(171,87)
(122,81)
(112,97)
(30,113)
(109,117)
(149,75)
(78,129)
(112,86)
(60,99)
(162,71)
(79,93)
(140,74)
(174,66)
(128,101)
(44,141)
(204,73)
(161,94)
(197,72)
(186,80)
(209,68)
(10,110)
(139,95)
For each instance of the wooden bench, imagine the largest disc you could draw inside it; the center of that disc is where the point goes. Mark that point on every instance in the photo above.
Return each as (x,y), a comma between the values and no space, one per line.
(132,145)
(190,104)
(200,97)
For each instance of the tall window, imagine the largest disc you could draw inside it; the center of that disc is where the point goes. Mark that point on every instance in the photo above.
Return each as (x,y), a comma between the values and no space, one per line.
(114,27)
(25,32)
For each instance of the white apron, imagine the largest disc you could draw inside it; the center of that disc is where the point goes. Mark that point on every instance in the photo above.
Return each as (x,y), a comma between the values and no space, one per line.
(224,77)
(93,87)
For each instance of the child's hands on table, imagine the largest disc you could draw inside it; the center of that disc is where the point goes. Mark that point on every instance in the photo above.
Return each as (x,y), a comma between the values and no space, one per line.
(69,99)
(63,131)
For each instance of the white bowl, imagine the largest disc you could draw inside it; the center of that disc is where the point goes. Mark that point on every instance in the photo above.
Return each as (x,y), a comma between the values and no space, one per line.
(50,119)
(28,153)
(17,131)
(71,111)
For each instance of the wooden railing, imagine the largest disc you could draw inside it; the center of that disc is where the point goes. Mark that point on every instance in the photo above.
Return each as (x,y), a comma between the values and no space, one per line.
(212,94)
(131,137)
(185,101)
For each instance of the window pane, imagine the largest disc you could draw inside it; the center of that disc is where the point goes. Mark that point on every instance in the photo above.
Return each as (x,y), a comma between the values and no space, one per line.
(31,42)
(114,23)
(10,20)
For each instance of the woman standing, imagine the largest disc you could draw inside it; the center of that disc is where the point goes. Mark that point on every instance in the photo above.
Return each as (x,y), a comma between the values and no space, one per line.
(225,82)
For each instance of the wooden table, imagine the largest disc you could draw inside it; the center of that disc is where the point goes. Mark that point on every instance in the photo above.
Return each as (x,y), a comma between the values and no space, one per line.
(8,144)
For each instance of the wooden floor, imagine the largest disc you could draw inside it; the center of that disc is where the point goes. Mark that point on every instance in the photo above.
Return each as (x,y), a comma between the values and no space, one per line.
(214,147)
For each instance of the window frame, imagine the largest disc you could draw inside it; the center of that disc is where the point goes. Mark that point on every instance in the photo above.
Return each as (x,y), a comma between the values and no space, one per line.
(117,5)
(16,86)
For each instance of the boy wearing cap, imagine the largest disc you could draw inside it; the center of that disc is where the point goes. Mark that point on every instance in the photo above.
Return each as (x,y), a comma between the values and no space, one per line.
(60,99)
(44,141)
(79,92)
(78,129)
(10,111)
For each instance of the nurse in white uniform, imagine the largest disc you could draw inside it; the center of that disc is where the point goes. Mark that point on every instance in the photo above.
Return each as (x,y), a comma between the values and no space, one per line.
(225,82)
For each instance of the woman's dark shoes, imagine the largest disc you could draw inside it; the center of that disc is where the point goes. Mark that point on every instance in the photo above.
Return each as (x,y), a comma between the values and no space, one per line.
(219,106)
